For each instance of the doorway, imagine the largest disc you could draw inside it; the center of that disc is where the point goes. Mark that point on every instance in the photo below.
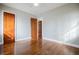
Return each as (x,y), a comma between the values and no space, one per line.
(8,27)
(36,29)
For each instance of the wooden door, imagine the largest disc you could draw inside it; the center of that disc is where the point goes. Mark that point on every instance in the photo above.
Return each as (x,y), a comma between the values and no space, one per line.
(39,30)
(40,34)
(9,27)
(34,29)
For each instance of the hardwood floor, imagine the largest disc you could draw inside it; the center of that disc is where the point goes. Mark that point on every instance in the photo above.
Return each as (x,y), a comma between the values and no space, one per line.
(44,47)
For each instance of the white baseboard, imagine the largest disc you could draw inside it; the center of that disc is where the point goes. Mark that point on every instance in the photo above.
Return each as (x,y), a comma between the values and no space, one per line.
(69,44)
(1,43)
(19,39)
(23,39)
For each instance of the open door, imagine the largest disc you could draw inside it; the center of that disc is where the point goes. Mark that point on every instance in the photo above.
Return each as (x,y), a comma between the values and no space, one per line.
(39,30)
(8,27)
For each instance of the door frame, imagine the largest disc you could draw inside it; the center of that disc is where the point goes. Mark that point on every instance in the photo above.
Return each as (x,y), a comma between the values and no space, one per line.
(38,29)
(3,24)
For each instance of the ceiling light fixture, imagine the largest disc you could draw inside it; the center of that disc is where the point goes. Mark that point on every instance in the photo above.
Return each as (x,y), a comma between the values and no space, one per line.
(36,4)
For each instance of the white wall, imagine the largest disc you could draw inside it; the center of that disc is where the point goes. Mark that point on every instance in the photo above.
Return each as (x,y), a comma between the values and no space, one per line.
(62,24)
(0,27)
(22,22)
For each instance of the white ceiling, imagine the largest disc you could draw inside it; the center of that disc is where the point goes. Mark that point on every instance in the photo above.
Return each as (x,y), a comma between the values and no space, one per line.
(28,7)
